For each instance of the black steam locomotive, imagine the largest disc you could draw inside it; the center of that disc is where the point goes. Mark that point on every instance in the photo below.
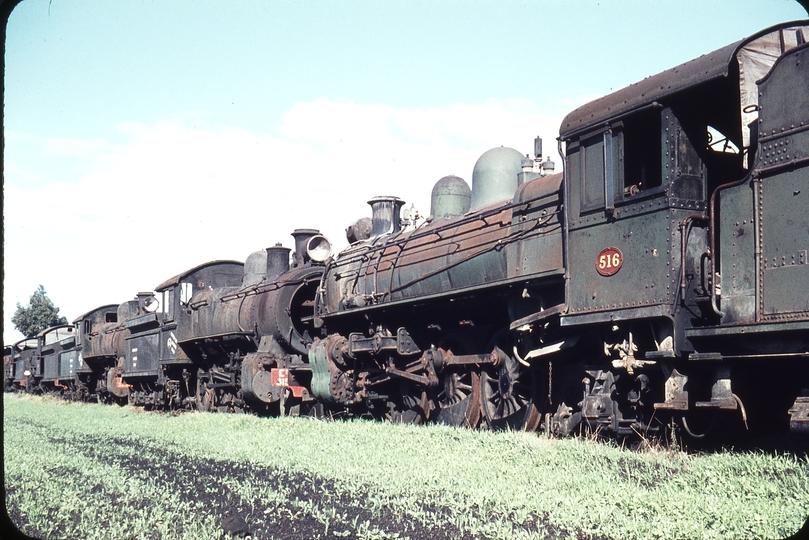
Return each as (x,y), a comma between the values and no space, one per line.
(661,280)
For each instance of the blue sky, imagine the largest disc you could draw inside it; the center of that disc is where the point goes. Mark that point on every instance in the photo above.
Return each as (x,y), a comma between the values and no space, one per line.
(152,136)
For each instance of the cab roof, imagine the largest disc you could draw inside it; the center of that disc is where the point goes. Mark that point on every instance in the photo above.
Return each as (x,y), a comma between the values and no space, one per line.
(172,282)
(644,93)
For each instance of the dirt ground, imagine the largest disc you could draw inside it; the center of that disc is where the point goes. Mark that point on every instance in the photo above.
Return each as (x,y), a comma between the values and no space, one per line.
(208,482)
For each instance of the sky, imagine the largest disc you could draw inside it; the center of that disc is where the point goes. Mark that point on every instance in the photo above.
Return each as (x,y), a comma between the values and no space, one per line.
(145,137)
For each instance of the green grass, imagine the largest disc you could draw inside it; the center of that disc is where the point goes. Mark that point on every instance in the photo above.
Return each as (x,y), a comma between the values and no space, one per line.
(88,470)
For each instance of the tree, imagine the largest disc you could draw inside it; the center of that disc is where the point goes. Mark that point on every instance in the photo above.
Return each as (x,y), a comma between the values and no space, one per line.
(39,314)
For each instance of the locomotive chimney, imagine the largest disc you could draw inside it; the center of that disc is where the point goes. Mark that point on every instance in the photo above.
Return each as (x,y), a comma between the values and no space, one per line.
(302,237)
(385,215)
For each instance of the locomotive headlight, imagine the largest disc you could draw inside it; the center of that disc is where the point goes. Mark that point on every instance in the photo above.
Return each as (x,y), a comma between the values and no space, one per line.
(318,248)
(27,372)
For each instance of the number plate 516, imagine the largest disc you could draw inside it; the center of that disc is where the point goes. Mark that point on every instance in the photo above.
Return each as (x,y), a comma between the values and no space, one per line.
(609,261)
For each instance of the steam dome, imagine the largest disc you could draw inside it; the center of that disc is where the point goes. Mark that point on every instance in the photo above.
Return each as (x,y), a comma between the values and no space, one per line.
(451,197)
(495,177)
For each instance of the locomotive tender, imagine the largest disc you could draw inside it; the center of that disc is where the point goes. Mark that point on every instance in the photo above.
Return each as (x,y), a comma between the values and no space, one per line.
(660,280)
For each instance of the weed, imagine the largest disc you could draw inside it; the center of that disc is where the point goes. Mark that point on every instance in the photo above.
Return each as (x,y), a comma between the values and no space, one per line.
(79,470)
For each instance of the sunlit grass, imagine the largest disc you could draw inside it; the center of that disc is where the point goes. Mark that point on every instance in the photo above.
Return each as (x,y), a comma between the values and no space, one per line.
(488,485)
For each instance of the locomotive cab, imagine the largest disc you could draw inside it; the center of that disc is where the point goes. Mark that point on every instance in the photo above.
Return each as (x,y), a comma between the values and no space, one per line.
(58,356)
(642,165)
(23,354)
(687,224)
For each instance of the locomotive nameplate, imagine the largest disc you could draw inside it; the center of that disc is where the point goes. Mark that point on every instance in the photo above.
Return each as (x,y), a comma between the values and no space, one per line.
(609,261)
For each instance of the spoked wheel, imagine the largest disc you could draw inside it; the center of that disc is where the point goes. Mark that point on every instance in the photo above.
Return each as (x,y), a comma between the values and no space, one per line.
(459,400)
(410,408)
(506,393)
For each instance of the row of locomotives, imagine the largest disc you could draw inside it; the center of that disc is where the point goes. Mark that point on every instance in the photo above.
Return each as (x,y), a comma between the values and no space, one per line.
(46,363)
(608,313)
(58,362)
(71,360)
(232,336)
(686,238)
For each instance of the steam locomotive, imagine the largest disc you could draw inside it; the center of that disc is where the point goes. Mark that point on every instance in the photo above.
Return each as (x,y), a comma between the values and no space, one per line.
(660,280)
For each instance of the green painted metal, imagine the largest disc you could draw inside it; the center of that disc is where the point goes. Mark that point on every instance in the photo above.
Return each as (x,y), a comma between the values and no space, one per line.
(782,194)
(451,196)
(495,177)
(321,376)
(737,264)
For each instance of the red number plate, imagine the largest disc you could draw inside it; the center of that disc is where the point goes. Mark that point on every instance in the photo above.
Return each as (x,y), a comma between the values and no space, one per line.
(609,261)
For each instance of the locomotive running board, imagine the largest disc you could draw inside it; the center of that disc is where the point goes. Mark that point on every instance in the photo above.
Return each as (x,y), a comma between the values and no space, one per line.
(538,316)
(755,328)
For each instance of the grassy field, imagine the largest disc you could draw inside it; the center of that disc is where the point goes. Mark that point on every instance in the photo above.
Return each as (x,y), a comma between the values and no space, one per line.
(93,471)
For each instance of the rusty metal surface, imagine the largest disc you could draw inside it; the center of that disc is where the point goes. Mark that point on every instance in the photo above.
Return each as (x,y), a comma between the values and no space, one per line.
(647,91)
(799,416)
(22,355)
(215,281)
(511,240)
(52,341)
(100,335)
(275,308)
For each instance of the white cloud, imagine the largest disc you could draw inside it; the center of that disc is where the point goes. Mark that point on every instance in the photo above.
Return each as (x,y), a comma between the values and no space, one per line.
(179,193)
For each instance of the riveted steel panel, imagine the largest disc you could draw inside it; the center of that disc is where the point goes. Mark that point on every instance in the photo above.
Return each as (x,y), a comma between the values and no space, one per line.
(142,354)
(69,364)
(784,208)
(784,107)
(50,366)
(645,277)
(783,189)
(539,221)
(737,263)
